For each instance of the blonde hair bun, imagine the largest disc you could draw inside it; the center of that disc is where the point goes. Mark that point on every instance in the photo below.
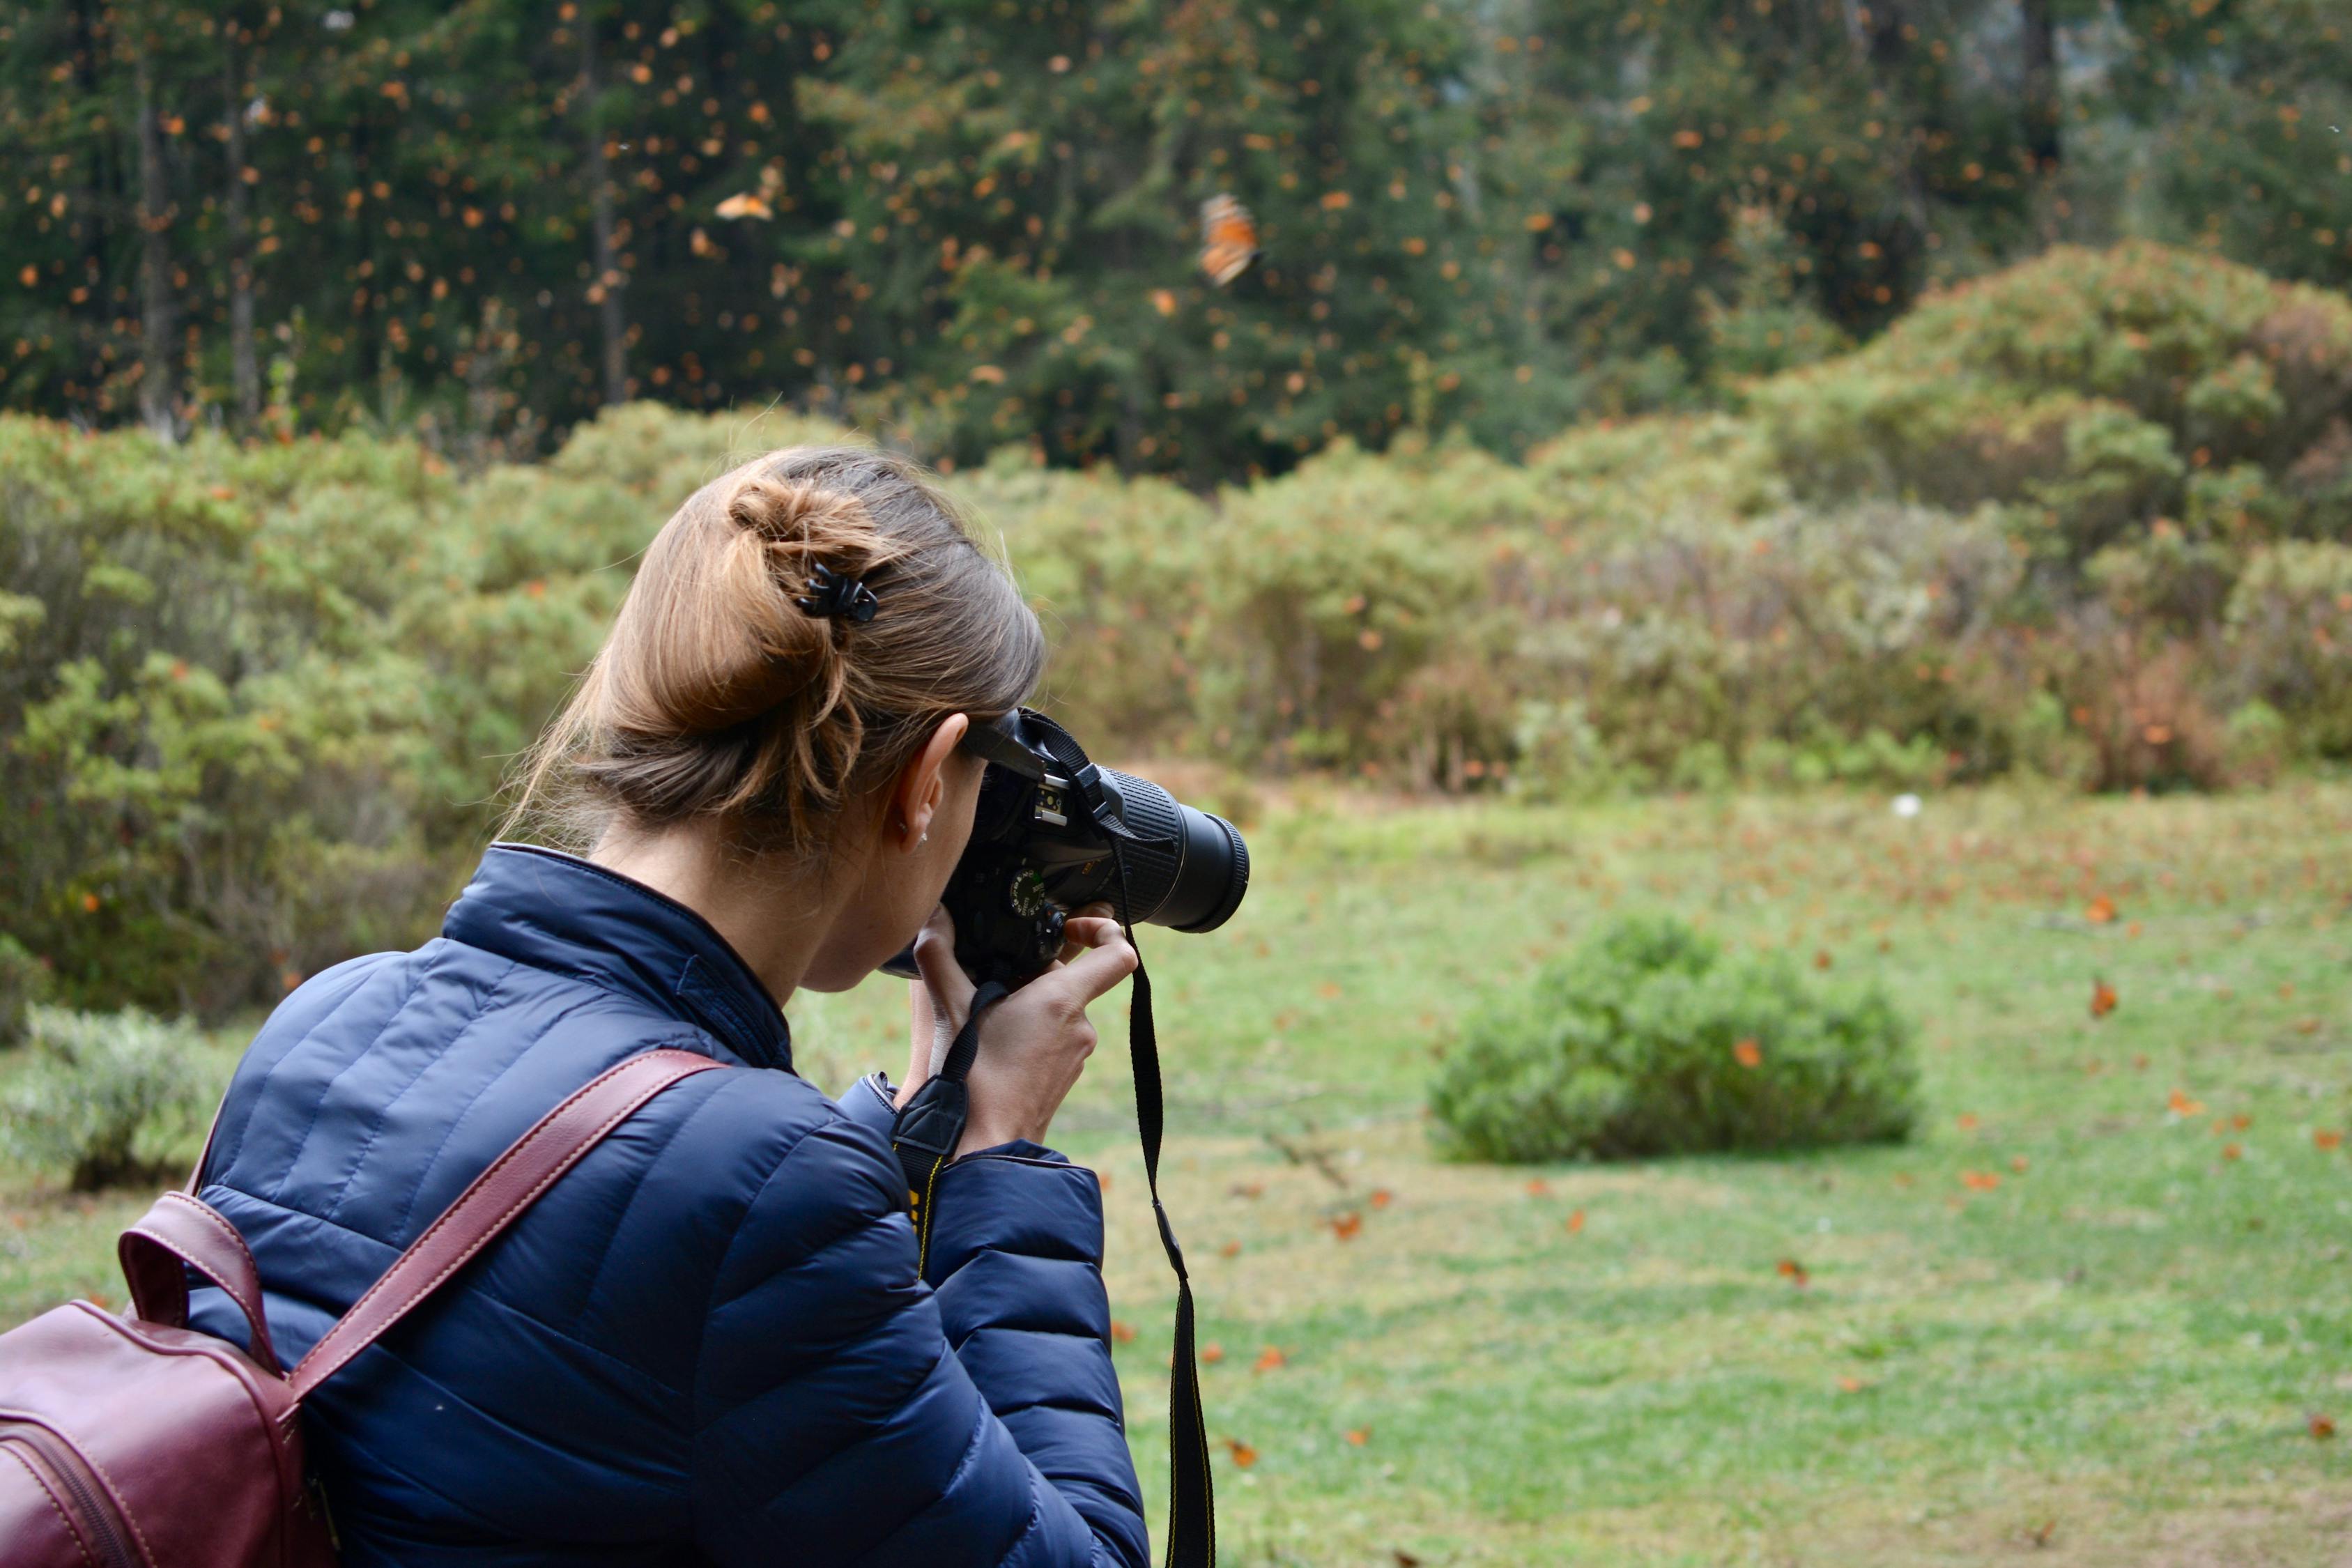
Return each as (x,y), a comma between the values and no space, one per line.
(718,695)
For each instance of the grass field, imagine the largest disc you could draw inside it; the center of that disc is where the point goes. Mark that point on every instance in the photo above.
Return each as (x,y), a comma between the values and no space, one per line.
(2095,1312)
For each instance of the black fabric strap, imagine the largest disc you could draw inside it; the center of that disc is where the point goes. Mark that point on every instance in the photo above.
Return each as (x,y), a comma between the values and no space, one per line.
(1192,1491)
(930,1125)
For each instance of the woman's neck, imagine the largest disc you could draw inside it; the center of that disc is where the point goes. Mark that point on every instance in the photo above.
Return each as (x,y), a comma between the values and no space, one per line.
(773,912)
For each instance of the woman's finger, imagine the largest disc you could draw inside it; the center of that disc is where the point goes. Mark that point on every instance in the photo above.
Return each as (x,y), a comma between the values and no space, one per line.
(943,977)
(1107,960)
(1083,930)
(1099,909)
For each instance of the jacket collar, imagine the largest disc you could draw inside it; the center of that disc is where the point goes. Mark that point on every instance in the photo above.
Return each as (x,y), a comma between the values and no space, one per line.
(559,912)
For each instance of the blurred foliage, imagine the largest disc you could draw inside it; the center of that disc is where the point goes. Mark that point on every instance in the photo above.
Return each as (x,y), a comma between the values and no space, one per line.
(975,222)
(23,982)
(2091,518)
(1651,1039)
(97,1088)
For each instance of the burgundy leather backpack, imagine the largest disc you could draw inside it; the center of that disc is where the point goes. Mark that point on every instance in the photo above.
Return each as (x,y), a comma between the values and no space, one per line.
(140,1443)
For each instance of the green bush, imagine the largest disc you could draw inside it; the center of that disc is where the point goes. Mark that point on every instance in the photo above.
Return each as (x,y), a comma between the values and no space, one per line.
(255,701)
(97,1089)
(23,982)
(2090,516)
(1651,1040)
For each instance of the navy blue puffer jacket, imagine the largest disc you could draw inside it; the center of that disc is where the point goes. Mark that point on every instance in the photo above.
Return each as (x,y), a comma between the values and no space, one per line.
(709,1342)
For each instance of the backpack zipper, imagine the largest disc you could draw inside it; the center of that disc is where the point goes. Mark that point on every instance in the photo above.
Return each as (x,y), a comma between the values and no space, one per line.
(99,1519)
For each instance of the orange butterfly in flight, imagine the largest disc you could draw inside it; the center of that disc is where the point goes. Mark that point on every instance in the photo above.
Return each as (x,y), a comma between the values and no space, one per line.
(1228,240)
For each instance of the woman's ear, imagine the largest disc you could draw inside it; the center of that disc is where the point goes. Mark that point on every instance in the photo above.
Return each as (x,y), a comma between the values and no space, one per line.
(921,784)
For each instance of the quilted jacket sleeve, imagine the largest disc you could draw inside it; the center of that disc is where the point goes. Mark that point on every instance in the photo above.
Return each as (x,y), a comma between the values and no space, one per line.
(847,1411)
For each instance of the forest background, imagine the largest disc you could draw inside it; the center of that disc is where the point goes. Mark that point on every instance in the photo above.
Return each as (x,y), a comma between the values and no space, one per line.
(1661,394)
(972,223)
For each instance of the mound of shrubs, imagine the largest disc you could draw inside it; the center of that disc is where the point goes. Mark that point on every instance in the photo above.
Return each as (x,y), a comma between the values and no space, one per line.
(98,1091)
(2090,518)
(1654,1039)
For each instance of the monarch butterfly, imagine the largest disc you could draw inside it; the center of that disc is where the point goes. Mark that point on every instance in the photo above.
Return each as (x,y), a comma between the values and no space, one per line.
(1228,240)
(748,203)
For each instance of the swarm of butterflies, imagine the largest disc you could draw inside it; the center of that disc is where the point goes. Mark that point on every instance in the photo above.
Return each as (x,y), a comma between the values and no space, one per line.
(1228,232)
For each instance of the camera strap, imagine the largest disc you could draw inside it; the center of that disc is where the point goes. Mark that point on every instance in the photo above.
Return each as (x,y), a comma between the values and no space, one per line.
(925,1142)
(1192,1492)
(927,1129)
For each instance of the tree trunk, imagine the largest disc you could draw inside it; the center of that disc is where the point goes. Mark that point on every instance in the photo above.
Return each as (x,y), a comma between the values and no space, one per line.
(156,380)
(2042,117)
(606,290)
(245,372)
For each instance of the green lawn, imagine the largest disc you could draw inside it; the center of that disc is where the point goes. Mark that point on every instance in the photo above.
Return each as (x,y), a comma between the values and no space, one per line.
(2114,1355)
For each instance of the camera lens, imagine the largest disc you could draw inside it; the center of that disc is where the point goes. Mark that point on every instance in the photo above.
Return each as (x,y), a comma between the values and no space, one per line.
(1194,879)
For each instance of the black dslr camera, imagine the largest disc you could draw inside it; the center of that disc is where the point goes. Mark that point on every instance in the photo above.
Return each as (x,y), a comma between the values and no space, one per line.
(1054,832)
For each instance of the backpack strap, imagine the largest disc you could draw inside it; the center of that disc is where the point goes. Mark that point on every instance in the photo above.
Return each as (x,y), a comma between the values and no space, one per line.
(496,1200)
(177,1231)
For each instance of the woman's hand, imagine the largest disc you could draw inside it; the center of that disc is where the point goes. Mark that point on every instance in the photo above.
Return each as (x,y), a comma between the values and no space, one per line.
(1033,1044)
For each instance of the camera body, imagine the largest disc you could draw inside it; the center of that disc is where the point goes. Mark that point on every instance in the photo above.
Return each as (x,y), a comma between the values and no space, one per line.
(1054,832)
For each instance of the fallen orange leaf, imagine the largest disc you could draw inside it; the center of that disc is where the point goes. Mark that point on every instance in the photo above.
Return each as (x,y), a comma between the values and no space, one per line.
(1360,1435)
(1538,1188)
(2017,1163)
(1793,1272)
(1576,1222)
(1230,1249)
(1267,1359)
(2101,911)
(1243,1454)
(1748,1054)
(1346,1226)
(1122,1333)
(2323,1428)
(1968,1122)
(2231,1152)
(2103,998)
(1979,1181)
(2322,1138)
(1212,1352)
(2181,1105)
(1382,1197)
(1851,1384)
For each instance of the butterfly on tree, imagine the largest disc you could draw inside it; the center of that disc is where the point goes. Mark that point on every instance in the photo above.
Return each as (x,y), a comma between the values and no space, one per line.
(1228,240)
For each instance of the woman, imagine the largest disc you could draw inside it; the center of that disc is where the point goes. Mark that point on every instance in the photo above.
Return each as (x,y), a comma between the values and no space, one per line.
(709,1341)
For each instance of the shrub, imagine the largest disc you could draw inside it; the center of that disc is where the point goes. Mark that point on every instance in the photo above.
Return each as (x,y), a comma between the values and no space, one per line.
(22,982)
(2289,646)
(97,1086)
(1327,592)
(1651,1040)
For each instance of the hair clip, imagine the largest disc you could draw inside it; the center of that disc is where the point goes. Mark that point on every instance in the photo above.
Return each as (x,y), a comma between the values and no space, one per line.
(835,593)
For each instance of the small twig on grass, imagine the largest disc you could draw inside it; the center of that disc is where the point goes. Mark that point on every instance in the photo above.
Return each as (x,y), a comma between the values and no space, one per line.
(1309,1155)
